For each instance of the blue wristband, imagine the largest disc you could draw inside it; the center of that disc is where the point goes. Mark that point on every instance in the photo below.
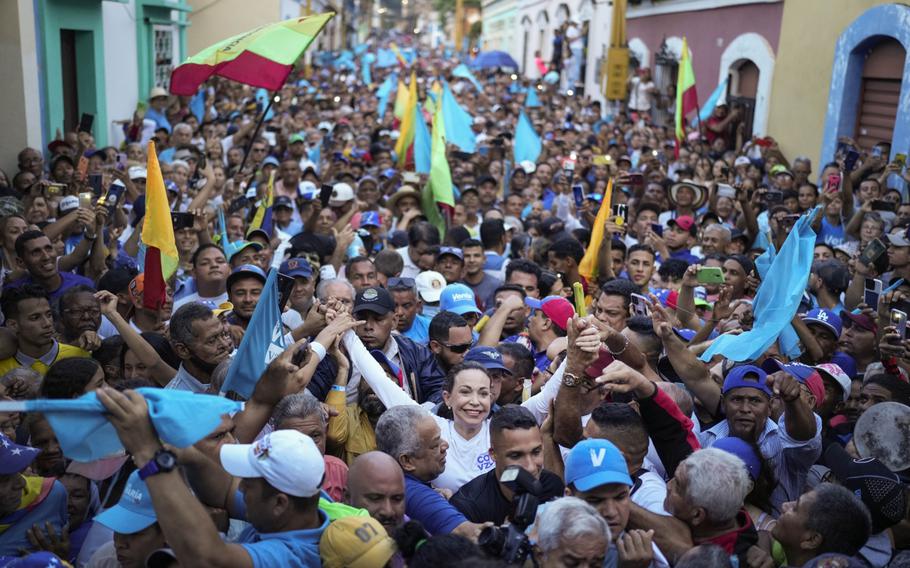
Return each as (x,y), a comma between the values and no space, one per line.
(341,388)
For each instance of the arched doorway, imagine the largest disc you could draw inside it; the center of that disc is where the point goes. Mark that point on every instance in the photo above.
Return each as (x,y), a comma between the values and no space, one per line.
(880,93)
(543,22)
(742,90)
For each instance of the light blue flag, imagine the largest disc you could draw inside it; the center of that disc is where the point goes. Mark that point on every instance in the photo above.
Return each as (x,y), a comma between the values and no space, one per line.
(708,107)
(458,122)
(197,105)
(386,58)
(778,296)
(262,97)
(463,72)
(315,155)
(365,63)
(421,143)
(527,144)
(385,90)
(532,100)
(262,342)
(181,418)
(360,48)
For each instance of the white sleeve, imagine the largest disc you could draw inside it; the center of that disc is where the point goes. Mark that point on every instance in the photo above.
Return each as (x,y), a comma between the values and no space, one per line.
(388,392)
(539,404)
(227,143)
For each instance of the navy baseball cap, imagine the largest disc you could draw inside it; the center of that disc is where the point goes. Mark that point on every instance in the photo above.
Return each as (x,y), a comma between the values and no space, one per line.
(296,267)
(489,357)
(370,219)
(825,318)
(595,462)
(283,201)
(746,376)
(245,270)
(15,458)
(374,299)
(798,371)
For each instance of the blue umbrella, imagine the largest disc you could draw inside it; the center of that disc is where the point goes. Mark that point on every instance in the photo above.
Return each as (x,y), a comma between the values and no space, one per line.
(489,59)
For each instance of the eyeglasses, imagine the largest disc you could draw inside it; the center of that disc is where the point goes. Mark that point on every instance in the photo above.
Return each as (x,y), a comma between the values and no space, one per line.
(458,348)
(402,283)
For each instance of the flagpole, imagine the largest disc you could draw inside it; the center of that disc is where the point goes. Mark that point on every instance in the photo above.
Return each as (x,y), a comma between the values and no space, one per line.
(249,145)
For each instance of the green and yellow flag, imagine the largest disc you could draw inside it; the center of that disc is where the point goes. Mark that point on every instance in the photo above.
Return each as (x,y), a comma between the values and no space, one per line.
(437,197)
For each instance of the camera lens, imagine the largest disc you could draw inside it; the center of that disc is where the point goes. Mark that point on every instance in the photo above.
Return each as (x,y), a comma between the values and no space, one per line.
(491,540)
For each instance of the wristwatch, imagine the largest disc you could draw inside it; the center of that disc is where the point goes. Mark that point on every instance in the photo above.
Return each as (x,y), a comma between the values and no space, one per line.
(571,381)
(163,462)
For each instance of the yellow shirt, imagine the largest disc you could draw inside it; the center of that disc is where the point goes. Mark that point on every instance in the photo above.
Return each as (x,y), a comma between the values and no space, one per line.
(350,433)
(63,351)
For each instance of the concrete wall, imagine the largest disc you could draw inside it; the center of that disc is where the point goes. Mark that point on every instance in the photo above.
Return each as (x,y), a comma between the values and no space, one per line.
(804,68)
(211,22)
(121,61)
(20,98)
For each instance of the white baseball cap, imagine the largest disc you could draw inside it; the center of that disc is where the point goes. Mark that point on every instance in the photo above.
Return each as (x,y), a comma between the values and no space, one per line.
(430,285)
(834,372)
(528,166)
(288,461)
(341,194)
(68,203)
(137,172)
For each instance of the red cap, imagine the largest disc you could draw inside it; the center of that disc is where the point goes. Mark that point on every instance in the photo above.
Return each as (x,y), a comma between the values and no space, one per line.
(556,308)
(684,222)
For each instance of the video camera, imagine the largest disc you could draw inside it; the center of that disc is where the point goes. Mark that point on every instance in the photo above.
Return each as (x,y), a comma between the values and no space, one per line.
(509,542)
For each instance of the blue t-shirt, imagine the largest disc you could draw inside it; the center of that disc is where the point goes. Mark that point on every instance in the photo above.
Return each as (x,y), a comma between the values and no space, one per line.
(295,549)
(424,504)
(67,281)
(52,509)
(830,234)
(420,329)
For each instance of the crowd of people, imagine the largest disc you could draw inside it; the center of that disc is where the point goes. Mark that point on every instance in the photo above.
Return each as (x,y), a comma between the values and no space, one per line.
(511,390)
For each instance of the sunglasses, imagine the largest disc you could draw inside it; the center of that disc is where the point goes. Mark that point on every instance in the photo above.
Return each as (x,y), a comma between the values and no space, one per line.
(401,283)
(458,348)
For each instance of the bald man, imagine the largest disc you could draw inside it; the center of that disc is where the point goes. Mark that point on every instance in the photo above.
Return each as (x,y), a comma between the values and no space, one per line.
(376,483)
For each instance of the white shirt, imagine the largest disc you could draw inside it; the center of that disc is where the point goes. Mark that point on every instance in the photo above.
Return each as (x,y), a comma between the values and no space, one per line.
(195,297)
(465,459)
(639,98)
(410,269)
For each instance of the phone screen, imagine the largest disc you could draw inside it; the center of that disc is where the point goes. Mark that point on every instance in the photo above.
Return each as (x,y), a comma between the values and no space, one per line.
(86,121)
(325,194)
(285,287)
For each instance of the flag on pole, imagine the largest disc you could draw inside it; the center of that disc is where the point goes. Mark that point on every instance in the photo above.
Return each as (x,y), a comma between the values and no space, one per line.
(527,145)
(686,97)
(422,143)
(462,72)
(437,197)
(531,99)
(263,57)
(160,249)
(197,105)
(406,130)
(589,263)
(719,95)
(401,100)
(458,122)
(262,342)
(383,93)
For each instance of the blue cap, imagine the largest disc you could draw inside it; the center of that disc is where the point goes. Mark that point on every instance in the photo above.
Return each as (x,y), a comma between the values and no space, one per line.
(283,201)
(134,512)
(489,357)
(296,267)
(746,376)
(796,370)
(15,458)
(743,450)
(845,362)
(389,172)
(171,186)
(270,161)
(245,270)
(41,559)
(236,247)
(826,318)
(454,251)
(370,219)
(684,334)
(595,462)
(458,299)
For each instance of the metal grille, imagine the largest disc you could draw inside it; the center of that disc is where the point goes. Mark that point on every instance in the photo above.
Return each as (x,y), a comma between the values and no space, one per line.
(163,55)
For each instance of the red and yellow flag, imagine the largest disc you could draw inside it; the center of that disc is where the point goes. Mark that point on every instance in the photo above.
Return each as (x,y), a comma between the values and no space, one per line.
(160,259)
(686,97)
(408,127)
